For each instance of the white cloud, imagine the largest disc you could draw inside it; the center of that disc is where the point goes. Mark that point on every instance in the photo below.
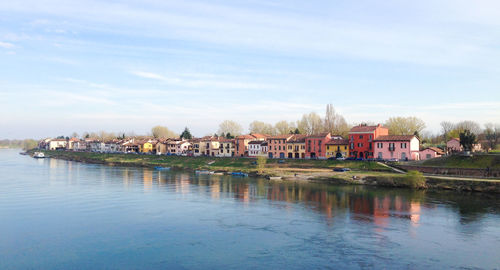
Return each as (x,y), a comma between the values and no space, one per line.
(6,45)
(196,80)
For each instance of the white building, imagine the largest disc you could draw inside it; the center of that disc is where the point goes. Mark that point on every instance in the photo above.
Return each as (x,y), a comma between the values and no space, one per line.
(257,148)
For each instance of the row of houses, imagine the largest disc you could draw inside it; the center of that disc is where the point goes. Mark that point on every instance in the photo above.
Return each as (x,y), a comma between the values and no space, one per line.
(363,142)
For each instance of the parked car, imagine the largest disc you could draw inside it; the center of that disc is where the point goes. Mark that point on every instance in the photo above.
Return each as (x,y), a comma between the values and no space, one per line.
(281,161)
(331,158)
(341,169)
(393,160)
(341,158)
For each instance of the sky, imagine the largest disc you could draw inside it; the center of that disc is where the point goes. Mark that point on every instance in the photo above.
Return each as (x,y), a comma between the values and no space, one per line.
(126,66)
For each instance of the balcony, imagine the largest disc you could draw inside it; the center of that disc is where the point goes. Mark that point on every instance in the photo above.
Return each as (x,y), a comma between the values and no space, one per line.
(392,148)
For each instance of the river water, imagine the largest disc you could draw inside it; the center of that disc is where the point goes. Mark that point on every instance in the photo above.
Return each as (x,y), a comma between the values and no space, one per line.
(57,214)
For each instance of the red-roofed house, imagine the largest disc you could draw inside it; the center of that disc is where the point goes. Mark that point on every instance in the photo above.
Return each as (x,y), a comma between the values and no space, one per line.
(400,147)
(431,152)
(316,145)
(361,140)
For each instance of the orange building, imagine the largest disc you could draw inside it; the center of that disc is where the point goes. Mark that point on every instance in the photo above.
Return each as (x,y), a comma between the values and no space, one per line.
(277,146)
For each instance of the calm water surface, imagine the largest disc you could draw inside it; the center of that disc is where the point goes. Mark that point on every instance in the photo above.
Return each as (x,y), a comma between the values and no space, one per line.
(57,214)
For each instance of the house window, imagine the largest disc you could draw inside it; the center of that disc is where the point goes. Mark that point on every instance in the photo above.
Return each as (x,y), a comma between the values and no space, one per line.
(403,145)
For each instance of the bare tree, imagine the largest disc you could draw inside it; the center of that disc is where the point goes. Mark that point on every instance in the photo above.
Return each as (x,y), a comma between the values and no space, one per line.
(284,127)
(492,134)
(446,128)
(163,132)
(472,126)
(310,123)
(262,128)
(405,125)
(334,123)
(229,126)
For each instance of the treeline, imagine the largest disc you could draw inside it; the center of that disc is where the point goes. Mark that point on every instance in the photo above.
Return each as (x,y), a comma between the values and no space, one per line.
(26,144)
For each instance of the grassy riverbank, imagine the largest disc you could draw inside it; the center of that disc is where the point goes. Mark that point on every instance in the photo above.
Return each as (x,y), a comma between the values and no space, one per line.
(213,163)
(457,161)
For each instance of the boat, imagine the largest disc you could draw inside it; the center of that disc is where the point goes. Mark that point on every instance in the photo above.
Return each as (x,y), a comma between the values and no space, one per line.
(159,168)
(39,155)
(274,177)
(202,172)
(23,153)
(239,174)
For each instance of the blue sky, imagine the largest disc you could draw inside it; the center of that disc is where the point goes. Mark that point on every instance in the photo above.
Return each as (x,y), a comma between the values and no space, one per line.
(129,65)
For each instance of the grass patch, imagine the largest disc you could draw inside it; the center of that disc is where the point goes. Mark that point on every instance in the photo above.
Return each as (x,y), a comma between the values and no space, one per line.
(456,161)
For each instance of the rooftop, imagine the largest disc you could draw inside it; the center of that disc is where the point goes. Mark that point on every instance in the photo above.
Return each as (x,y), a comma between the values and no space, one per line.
(395,138)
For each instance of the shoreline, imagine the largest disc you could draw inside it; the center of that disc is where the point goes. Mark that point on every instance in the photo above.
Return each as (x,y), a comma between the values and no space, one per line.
(295,174)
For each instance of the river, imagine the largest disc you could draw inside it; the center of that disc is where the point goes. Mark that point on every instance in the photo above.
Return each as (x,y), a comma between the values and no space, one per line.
(57,214)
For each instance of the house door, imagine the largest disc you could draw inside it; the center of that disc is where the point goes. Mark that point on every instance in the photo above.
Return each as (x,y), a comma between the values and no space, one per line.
(403,156)
(282,155)
(290,155)
(270,155)
(360,154)
(297,155)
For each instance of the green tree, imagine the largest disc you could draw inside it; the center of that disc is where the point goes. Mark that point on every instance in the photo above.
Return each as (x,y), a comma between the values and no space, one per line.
(261,164)
(229,136)
(186,134)
(467,139)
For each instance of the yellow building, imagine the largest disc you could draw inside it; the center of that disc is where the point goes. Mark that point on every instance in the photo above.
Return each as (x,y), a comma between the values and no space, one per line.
(337,148)
(146,146)
(296,146)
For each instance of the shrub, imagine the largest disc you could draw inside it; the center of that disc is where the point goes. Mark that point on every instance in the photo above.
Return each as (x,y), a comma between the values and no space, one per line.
(415,179)
(261,163)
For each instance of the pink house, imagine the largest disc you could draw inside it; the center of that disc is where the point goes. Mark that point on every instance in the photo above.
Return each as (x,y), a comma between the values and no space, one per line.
(453,145)
(399,147)
(431,152)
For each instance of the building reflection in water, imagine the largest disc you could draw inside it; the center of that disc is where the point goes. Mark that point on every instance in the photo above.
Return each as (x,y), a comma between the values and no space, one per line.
(147,179)
(364,204)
